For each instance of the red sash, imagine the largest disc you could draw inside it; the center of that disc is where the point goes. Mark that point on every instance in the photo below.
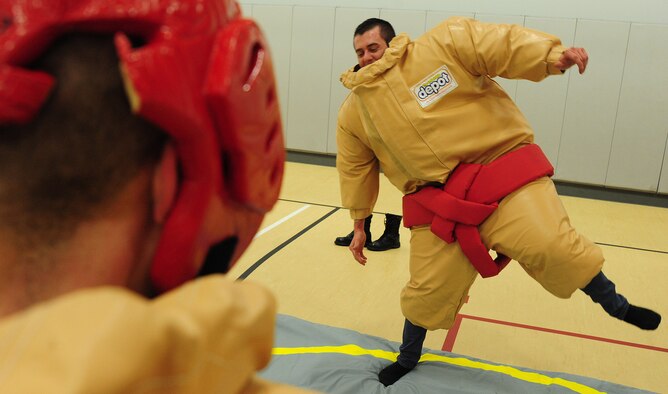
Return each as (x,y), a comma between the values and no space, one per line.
(470,195)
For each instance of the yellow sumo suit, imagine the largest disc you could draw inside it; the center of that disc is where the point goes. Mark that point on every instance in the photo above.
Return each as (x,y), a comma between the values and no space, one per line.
(425,107)
(208,336)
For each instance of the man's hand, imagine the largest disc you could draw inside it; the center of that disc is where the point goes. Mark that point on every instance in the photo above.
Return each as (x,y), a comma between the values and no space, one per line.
(359,239)
(572,56)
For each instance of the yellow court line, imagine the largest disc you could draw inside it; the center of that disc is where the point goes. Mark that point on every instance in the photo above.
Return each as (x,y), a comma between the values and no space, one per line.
(354,350)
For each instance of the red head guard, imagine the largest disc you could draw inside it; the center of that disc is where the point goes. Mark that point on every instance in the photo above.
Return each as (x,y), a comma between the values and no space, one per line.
(205,77)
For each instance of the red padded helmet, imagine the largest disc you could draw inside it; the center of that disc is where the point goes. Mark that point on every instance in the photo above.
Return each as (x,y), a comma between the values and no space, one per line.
(205,77)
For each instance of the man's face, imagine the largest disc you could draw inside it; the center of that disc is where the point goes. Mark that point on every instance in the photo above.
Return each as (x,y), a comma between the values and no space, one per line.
(369,46)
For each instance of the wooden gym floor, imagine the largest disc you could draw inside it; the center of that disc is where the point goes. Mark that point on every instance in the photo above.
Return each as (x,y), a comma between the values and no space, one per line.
(508,319)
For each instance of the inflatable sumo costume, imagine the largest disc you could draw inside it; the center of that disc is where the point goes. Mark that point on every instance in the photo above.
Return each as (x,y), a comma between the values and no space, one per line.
(204,76)
(461,152)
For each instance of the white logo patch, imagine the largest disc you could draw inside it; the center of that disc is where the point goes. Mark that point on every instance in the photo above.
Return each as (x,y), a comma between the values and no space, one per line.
(434,87)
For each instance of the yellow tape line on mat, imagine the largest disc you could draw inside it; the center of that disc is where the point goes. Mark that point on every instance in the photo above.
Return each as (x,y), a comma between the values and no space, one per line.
(354,350)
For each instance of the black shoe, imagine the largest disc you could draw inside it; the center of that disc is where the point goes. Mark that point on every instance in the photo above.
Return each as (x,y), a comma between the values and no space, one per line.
(385,242)
(643,318)
(345,241)
(390,238)
(393,372)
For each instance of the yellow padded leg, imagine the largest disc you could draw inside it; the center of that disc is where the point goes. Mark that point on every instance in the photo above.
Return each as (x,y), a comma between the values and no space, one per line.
(530,226)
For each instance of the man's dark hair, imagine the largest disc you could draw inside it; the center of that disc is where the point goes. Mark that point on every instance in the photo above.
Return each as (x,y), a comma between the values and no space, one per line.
(83,147)
(386,29)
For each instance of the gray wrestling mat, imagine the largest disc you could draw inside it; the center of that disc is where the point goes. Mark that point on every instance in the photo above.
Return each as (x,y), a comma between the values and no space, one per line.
(335,360)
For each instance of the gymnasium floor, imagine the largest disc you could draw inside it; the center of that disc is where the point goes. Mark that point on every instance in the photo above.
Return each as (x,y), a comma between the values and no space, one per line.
(508,319)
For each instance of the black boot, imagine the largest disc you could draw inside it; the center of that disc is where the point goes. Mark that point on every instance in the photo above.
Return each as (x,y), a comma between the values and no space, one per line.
(345,241)
(603,291)
(409,354)
(390,238)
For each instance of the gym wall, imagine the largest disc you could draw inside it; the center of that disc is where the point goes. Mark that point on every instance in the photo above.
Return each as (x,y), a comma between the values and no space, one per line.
(608,127)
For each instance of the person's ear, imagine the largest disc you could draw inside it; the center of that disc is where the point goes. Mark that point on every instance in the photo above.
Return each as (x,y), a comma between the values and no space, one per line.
(164,184)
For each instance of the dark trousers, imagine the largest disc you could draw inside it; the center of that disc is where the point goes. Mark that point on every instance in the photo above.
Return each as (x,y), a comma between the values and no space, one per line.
(411,347)
(600,289)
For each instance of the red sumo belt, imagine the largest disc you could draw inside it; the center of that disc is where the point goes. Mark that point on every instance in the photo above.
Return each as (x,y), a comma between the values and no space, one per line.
(470,195)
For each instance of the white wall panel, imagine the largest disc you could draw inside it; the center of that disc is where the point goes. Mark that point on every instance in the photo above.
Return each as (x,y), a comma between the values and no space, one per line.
(591,103)
(347,19)
(543,103)
(498,7)
(509,85)
(246,9)
(647,11)
(663,184)
(436,17)
(276,24)
(641,11)
(404,21)
(310,78)
(614,117)
(642,117)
